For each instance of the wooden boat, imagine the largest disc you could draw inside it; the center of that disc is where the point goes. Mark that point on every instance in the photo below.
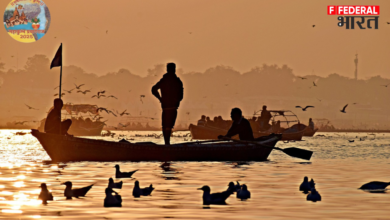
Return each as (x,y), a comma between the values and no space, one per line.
(67,148)
(212,133)
(309,132)
(80,126)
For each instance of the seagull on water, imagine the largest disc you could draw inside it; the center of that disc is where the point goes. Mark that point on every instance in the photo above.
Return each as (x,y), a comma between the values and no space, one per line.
(215,198)
(45,195)
(313,196)
(375,185)
(138,192)
(305,185)
(112,184)
(243,193)
(119,174)
(69,192)
(112,201)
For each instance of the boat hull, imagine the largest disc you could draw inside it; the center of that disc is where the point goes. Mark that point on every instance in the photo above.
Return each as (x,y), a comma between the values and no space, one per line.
(67,148)
(309,132)
(204,133)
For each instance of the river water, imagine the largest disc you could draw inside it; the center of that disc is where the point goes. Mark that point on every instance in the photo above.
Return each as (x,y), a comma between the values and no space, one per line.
(339,168)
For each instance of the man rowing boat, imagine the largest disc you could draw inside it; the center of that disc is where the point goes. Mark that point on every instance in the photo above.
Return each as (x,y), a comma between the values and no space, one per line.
(240,126)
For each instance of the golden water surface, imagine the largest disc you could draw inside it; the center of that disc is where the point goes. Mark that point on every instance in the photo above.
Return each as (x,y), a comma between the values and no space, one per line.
(338,167)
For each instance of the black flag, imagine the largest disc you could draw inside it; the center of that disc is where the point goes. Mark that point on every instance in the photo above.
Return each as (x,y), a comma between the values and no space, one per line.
(57,60)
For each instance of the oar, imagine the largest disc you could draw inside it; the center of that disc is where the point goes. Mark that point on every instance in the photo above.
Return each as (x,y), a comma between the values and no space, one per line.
(291,151)
(200,142)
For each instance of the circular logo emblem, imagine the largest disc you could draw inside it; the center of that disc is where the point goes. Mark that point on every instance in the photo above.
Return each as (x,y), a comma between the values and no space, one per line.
(26,20)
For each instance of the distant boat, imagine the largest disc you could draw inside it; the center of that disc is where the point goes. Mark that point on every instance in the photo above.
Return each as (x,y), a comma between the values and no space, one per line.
(294,132)
(81,126)
(309,132)
(66,148)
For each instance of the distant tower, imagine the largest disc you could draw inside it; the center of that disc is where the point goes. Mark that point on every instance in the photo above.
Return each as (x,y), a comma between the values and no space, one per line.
(356,65)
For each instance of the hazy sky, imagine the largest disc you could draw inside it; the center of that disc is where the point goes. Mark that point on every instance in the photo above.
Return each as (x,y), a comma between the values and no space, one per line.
(198,34)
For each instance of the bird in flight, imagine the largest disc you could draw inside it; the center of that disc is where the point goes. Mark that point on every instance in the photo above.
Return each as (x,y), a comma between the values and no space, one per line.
(20,122)
(314,84)
(142,96)
(343,111)
(84,92)
(319,100)
(385,85)
(302,77)
(29,107)
(106,31)
(314,25)
(124,113)
(78,86)
(106,110)
(69,91)
(62,94)
(98,94)
(111,96)
(101,92)
(304,109)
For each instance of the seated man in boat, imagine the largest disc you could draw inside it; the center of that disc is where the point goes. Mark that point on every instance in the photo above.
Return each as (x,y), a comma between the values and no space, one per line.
(264,119)
(202,121)
(171,88)
(53,124)
(240,126)
(311,124)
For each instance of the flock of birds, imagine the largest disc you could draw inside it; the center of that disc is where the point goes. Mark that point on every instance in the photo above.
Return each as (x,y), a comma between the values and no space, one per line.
(313,195)
(112,199)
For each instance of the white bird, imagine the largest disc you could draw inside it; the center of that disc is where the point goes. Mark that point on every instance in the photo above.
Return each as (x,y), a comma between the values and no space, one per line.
(243,193)
(305,185)
(313,196)
(112,200)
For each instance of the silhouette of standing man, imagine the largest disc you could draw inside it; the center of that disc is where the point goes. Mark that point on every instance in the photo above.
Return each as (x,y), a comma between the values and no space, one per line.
(171,89)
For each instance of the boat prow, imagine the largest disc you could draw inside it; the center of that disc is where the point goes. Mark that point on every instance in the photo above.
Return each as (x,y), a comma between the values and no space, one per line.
(68,148)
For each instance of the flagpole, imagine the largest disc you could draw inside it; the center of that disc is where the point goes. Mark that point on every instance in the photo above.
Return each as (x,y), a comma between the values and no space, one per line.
(60,80)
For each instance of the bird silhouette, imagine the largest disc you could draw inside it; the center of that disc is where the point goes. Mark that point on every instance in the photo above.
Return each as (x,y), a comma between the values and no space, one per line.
(385,85)
(20,122)
(314,25)
(111,96)
(112,200)
(119,174)
(124,113)
(69,91)
(78,86)
(106,110)
(215,198)
(106,31)
(375,185)
(314,84)
(304,109)
(305,185)
(29,107)
(142,96)
(138,192)
(388,22)
(62,94)
(45,195)
(313,196)
(69,192)
(343,110)
(84,92)
(112,184)
(302,77)
(319,100)
(101,92)
(243,193)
